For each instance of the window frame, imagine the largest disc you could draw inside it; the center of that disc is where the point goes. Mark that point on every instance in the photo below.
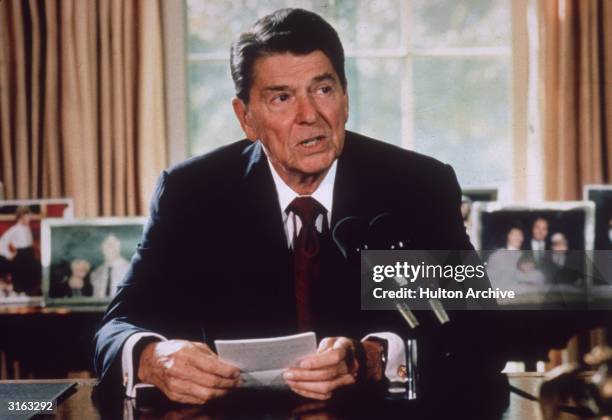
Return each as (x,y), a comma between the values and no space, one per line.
(525,149)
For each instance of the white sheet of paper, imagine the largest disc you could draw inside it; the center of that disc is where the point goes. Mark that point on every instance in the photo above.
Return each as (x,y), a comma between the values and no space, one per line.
(263,360)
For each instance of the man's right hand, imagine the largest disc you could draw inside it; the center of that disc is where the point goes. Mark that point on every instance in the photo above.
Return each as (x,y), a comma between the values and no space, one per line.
(186,371)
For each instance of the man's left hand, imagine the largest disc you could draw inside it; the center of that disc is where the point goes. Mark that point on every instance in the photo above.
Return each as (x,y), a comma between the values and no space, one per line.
(335,365)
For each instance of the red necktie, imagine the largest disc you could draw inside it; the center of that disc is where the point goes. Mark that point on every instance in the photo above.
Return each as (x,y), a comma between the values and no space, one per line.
(307,258)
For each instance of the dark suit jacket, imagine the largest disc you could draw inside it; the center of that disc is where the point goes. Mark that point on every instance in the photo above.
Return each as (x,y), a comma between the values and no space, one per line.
(527,244)
(213,262)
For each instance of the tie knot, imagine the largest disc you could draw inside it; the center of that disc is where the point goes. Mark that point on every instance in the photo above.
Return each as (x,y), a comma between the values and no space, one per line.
(307,209)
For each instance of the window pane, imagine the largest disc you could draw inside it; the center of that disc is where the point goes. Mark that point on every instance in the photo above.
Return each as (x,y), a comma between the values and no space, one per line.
(375,97)
(371,24)
(462,116)
(211,118)
(460,23)
(213,25)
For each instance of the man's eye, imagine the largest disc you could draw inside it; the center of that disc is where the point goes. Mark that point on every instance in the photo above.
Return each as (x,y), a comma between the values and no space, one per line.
(325,89)
(283,97)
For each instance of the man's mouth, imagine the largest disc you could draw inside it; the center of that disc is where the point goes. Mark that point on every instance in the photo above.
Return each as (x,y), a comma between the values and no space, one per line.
(312,141)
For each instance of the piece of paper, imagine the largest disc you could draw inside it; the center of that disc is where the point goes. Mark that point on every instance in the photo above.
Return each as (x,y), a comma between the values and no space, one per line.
(263,360)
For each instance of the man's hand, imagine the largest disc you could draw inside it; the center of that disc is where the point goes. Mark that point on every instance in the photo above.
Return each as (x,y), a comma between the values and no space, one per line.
(186,371)
(319,375)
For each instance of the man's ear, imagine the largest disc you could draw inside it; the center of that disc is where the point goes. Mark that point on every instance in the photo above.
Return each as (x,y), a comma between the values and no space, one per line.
(245,118)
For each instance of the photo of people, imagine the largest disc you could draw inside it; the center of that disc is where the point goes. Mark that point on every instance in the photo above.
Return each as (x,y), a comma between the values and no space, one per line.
(106,277)
(512,268)
(18,256)
(537,251)
(77,283)
(20,261)
(85,259)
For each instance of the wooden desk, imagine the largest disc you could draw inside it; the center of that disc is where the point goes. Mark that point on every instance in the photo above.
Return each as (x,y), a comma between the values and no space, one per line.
(79,405)
(47,342)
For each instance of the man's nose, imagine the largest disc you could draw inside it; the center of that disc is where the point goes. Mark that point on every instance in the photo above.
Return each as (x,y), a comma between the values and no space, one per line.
(307,110)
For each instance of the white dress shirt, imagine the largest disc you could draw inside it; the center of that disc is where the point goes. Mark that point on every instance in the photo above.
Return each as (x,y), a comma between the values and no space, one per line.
(538,245)
(17,236)
(324,194)
(99,277)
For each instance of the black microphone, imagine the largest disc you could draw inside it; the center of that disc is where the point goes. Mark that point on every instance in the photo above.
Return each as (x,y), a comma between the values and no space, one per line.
(383,231)
(352,234)
(349,235)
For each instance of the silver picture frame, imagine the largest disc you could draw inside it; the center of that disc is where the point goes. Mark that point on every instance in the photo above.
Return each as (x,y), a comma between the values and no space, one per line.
(84,259)
(526,212)
(506,235)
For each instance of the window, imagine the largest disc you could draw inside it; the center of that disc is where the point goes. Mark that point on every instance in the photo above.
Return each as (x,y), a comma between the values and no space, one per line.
(432,76)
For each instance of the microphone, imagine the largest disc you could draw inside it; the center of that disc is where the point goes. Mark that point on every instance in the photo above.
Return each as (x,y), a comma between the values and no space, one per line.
(352,234)
(349,235)
(383,234)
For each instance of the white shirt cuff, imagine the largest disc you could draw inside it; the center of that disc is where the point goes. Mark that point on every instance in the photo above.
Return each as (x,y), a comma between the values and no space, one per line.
(396,354)
(127,362)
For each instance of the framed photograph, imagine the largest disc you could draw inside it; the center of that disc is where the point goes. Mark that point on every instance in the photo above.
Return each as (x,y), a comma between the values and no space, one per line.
(537,250)
(471,195)
(601,196)
(574,219)
(84,260)
(20,246)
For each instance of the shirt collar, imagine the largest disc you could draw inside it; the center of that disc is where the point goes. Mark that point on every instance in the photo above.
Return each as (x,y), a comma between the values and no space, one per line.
(324,193)
(115,263)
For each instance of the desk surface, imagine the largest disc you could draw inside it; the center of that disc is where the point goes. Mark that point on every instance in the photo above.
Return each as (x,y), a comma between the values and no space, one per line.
(79,405)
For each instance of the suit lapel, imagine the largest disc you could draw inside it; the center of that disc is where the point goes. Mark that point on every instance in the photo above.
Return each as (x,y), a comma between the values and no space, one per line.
(350,189)
(341,276)
(261,198)
(268,243)
(263,211)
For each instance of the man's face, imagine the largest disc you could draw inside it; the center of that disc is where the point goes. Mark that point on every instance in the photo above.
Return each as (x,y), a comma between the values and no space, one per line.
(111,248)
(298,109)
(539,229)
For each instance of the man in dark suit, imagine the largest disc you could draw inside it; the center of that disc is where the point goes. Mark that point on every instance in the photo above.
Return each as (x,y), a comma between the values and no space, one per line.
(239,244)
(538,240)
(538,243)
